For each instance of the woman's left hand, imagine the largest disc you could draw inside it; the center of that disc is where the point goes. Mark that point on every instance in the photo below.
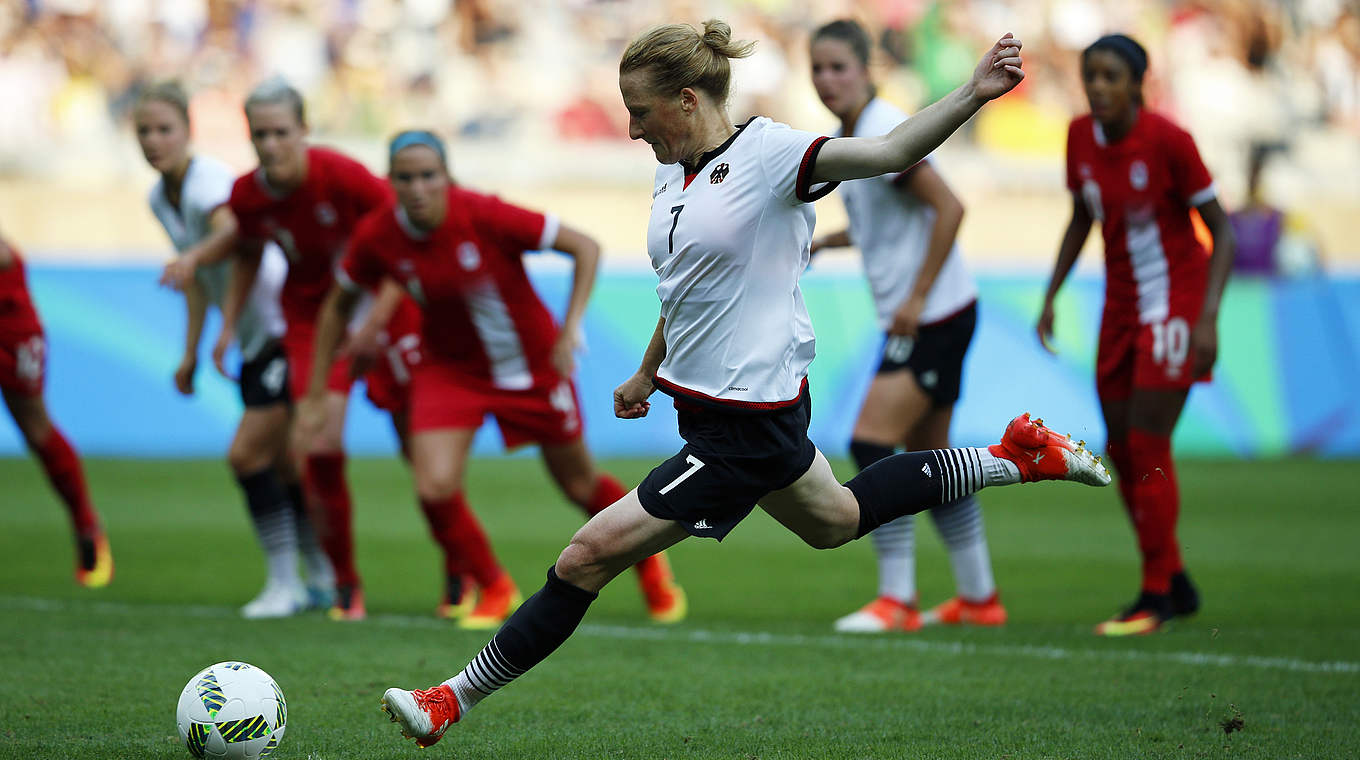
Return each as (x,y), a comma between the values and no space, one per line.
(1203,347)
(1000,70)
(564,353)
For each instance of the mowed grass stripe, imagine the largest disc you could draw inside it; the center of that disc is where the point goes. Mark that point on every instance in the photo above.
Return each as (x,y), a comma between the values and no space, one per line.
(748,638)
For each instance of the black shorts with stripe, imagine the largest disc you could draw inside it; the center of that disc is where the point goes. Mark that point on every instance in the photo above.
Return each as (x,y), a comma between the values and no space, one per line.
(934,356)
(264,379)
(728,463)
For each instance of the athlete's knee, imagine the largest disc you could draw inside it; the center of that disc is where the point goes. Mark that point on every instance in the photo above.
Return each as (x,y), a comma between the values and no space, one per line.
(588,562)
(245,459)
(437,486)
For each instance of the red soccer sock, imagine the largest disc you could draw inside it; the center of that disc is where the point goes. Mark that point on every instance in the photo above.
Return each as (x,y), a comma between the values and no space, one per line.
(67,477)
(1118,452)
(466,548)
(607,491)
(1156,507)
(329,491)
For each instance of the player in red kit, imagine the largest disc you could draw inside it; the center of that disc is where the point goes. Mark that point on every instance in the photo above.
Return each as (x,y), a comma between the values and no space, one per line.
(23,359)
(490,346)
(308,200)
(1140,175)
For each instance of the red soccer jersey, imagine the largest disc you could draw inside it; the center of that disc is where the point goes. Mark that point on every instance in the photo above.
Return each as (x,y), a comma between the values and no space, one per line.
(1141,190)
(18,318)
(481,314)
(312,224)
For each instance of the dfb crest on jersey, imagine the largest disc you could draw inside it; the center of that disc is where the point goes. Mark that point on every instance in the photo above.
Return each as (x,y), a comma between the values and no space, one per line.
(719,174)
(468,255)
(1138,175)
(326,215)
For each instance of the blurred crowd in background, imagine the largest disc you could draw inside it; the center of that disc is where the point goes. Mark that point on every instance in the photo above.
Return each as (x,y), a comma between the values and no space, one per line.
(537,79)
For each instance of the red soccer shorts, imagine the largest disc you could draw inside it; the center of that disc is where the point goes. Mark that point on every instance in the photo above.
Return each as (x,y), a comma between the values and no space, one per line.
(442,398)
(23,360)
(389,381)
(1153,356)
(298,344)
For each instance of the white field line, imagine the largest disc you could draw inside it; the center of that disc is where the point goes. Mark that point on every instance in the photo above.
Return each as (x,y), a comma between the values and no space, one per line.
(687,635)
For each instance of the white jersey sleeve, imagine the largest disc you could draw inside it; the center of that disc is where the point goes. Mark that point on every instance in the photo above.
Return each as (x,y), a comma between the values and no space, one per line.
(787,156)
(207,187)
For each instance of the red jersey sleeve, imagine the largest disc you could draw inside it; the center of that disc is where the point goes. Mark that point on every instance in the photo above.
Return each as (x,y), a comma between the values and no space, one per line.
(240,203)
(1073,181)
(518,229)
(1188,174)
(362,266)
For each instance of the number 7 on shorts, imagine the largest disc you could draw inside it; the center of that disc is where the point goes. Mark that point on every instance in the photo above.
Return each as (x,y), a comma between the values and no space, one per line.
(694,465)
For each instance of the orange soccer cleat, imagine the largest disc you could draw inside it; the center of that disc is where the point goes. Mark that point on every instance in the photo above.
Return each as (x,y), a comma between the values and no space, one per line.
(666,601)
(349,605)
(423,714)
(94,560)
(1041,454)
(459,596)
(494,605)
(882,615)
(960,611)
(1147,615)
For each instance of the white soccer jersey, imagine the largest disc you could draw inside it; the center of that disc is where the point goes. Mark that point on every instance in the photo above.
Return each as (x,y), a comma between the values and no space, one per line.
(207,185)
(729,243)
(892,230)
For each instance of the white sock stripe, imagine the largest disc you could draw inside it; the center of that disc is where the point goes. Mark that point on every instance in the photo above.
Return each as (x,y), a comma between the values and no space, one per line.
(472,682)
(494,649)
(493,670)
(976,468)
(956,470)
(482,677)
(959,524)
(944,474)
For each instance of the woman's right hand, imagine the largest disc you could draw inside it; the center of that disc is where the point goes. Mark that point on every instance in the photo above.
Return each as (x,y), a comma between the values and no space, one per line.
(219,352)
(180,272)
(1045,327)
(630,398)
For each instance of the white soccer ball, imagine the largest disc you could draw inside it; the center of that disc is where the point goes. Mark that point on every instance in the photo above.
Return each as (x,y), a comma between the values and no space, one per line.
(231,711)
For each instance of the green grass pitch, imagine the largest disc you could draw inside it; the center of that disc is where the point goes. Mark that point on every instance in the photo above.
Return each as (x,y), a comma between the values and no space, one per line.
(754,673)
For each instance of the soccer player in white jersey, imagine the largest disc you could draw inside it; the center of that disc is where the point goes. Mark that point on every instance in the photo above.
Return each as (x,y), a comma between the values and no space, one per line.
(728,238)
(190,201)
(905,224)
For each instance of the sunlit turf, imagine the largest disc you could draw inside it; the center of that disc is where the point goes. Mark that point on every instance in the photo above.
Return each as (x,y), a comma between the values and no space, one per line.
(754,673)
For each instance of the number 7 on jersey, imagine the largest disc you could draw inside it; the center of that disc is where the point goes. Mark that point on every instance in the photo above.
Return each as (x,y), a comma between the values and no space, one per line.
(694,465)
(674,210)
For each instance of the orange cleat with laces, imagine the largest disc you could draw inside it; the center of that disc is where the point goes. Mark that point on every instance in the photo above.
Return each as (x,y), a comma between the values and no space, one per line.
(423,714)
(1041,454)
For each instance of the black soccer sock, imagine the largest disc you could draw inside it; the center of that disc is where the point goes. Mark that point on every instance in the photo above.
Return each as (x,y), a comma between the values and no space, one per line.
(270,512)
(904,484)
(320,575)
(533,632)
(865,453)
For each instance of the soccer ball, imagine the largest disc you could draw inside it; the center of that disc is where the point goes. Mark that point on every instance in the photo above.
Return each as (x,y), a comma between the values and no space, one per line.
(231,711)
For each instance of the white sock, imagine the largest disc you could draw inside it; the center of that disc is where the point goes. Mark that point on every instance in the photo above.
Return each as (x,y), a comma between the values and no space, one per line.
(960,527)
(997,471)
(279,541)
(895,544)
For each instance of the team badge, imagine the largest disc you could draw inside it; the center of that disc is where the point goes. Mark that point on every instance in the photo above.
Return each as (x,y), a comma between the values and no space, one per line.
(326,215)
(719,174)
(1085,171)
(1138,175)
(468,256)
(406,266)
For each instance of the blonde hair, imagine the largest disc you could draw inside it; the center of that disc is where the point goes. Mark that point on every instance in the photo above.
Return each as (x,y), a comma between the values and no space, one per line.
(276,90)
(169,92)
(678,56)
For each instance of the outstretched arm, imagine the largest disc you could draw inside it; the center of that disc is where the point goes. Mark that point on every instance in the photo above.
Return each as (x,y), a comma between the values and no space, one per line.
(243,273)
(630,399)
(1077,230)
(912,140)
(222,239)
(196,308)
